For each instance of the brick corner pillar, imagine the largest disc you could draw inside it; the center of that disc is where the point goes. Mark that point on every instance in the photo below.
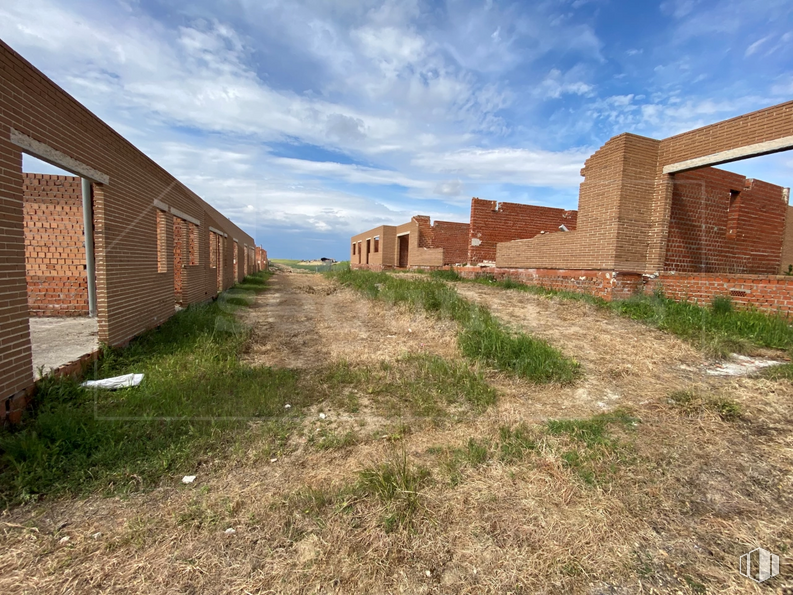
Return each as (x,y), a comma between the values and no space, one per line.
(16,363)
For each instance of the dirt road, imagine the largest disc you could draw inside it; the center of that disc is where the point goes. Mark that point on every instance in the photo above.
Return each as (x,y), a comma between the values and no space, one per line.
(677,501)
(306,321)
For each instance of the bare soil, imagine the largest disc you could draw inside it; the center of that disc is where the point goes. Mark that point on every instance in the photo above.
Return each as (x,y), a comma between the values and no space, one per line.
(691,493)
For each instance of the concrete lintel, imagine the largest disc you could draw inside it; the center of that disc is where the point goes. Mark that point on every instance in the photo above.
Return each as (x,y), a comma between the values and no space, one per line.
(217,231)
(185,216)
(161,205)
(404,233)
(56,158)
(771,146)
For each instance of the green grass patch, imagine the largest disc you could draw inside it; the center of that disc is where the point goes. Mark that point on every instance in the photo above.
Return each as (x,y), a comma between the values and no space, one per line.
(590,448)
(692,403)
(482,337)
(330,440)
(314,268)
(515,443)
(474,454)
(397,484)
(718,329)
(781,372)
(193,404)
(417,385)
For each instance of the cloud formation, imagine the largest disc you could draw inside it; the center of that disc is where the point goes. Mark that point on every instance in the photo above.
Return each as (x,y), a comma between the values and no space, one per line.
(322,118)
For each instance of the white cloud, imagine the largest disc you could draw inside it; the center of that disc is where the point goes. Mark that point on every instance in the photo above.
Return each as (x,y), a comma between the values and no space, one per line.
(556,84)
(515,166)
(756,45)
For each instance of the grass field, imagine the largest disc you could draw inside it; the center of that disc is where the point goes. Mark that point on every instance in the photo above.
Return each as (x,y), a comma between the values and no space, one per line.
(719,329)
(321,268)
(362,432)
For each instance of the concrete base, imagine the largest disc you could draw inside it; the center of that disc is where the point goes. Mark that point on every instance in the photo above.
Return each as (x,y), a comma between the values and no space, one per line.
(58,341)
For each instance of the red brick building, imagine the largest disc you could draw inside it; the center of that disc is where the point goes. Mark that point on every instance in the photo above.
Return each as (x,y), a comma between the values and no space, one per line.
(142,268)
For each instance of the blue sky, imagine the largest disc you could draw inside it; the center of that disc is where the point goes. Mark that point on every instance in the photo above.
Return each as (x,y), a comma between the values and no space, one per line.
(307,122)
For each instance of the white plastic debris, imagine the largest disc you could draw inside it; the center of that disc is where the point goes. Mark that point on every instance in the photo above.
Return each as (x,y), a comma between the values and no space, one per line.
(230,531)
(63,540)
(125,381)
(322,416)
(97,535)
(287,406)
(274,460)
(428,573)
(741,365)
(188,479)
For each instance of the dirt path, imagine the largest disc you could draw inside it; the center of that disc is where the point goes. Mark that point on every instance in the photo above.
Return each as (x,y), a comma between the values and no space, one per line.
(306,320)
(625,363)
(693,493)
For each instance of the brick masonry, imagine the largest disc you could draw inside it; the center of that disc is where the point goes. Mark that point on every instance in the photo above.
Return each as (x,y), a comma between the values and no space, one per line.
(625,200)
(722,222)
(431,245)
(769,293)
(54,246)
(493,222)
(135,289)
(697,233)
(608,285)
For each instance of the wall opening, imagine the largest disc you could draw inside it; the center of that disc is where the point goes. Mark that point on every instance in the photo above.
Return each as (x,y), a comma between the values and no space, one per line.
(61,330)
(236,265)
(162,242)
(376,244)
(368,249)
(404,250)
(179,257)
(732,219)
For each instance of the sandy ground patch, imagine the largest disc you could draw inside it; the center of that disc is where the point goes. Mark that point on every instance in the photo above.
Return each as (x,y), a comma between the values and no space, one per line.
(306,321)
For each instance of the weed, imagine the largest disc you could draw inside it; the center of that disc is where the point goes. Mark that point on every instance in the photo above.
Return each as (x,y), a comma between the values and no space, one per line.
(481,336)
(330,440)
(474,454)
(196,398)
(421,385)
(595,451)
(727,409)
(781,372)
(593,431)
(397,484)
(691,402)
(515,443)
(718,330)
(721,304)
(445,275)
(694,585)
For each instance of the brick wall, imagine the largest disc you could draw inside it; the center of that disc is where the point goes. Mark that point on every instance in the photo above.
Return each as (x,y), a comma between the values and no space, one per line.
(453,239)
(608,285)
(493,222)
(787,243)
(769,293)
(767,124)
(613,214)
(134,293)
(625,200)
(722,222)
(54,246)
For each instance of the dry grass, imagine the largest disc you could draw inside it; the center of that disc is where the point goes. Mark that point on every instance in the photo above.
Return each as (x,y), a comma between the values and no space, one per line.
(662,497)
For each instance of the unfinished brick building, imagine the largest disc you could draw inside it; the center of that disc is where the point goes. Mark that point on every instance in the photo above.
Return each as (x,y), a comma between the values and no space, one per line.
(423,245)
(142,268)
(414,244)
(656,213)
